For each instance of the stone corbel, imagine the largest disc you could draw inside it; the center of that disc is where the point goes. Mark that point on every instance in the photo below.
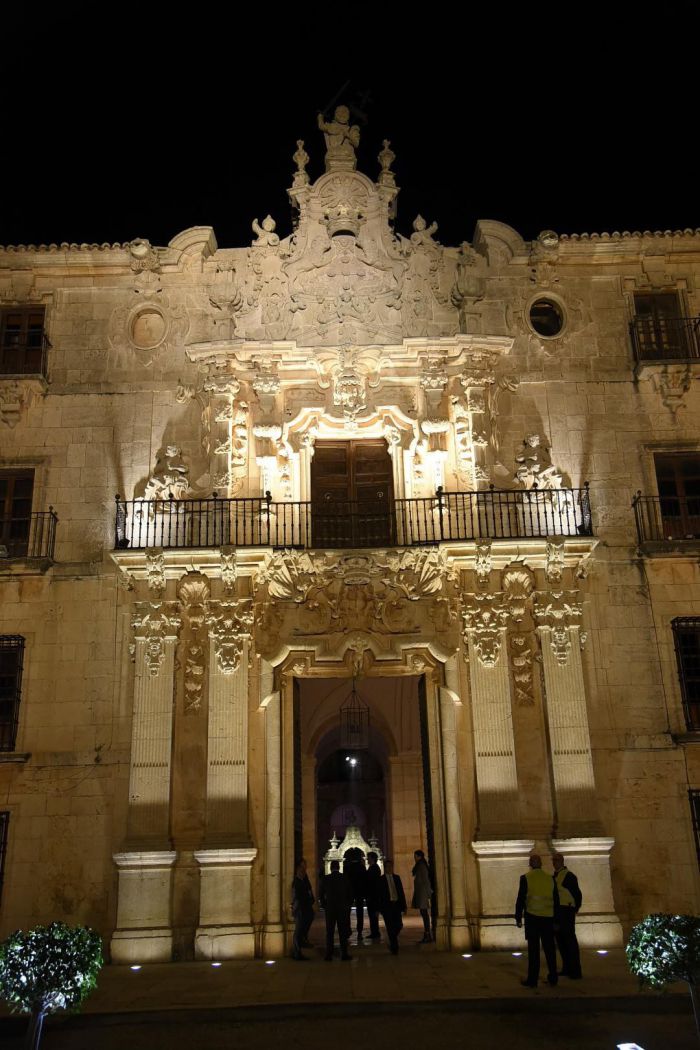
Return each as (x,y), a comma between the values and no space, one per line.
(556,613)
(155,624)
(155,571)
(17,396)
(229,623)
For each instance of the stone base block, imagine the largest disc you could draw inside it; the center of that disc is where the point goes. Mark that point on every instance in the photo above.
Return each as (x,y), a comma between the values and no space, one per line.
(499,933)
(460,936)
(141,946)
(599,931)
(144,904)
(273,941)
(224,942)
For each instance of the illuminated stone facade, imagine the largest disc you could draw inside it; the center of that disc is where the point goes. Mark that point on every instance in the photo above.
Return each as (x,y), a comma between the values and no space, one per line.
(182,654)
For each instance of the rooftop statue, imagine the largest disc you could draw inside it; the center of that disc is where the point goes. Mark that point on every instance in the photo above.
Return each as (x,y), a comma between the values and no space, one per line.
(342,139)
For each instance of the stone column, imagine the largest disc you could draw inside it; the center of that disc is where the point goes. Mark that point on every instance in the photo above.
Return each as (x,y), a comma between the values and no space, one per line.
(498,849)
(273,930)
(225,928)
(144,927)
(459,929)
(558,614)
(485,619)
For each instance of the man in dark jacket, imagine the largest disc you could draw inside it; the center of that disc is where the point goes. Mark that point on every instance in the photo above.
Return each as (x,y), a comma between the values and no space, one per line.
(302,910)
(392,904)
(374,876)
(336,898)
(570,901)
(357,874)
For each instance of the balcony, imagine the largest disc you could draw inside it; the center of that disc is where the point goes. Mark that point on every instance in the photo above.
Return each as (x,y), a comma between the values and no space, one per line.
(657,338)
(667,523)
(259,522)
(29,539)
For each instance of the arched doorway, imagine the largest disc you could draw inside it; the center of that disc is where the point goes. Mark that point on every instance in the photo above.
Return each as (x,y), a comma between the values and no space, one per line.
(381,788)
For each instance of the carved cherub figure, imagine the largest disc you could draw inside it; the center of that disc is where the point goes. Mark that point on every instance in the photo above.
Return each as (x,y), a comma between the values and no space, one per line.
(342,139)
(535,465)
(266,236)
(422,235)
(169,477)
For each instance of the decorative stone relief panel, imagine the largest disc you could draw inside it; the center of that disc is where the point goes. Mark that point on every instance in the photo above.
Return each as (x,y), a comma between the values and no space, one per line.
(558,612)
(389,592)
(151,323)
(154,624)
(230,624)
(193,591)
(485,617)
(16,397)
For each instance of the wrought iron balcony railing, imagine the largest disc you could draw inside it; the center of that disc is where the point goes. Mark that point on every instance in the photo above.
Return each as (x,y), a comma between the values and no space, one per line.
(667,519)
(30,538)
(259,522)
(665,338)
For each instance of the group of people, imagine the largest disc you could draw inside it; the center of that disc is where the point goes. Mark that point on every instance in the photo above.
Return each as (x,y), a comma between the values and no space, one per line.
(549,904)
(357,885)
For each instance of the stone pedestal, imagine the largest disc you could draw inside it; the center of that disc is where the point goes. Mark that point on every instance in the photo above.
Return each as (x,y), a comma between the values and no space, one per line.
(144,932)
(597,925)
(501,863)
(225,928)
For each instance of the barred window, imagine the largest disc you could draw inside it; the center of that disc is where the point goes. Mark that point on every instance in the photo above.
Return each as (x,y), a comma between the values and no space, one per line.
(4,825)
(11,654)
(686,637)
(694,796)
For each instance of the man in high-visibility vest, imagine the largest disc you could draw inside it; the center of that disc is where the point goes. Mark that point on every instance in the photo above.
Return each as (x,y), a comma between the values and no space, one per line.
(539,901)
(565,928)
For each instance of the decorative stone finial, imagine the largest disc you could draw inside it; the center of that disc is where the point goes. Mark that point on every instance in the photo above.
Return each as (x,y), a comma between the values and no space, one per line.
(342,139)
(301,159)
(386,158)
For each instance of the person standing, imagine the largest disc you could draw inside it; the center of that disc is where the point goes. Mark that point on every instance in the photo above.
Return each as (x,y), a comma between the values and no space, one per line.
(422,892)
(357,874)
(305,942)
(302,908)
(392,904)
(373,880)
(538,901)
(570,900)
(336,898)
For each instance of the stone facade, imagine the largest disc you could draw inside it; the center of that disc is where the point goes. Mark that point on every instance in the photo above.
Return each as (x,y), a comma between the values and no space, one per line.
(177,664)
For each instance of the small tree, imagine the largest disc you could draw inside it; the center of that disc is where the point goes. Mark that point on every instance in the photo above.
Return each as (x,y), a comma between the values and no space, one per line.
(49,968)
(666,948)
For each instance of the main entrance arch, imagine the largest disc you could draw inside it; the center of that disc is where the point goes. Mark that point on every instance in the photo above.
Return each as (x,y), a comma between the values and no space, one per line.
(416,671)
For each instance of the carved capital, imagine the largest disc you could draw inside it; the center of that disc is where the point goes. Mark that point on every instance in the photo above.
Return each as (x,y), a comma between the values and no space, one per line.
(229,625)
(154,624)
(556,612)
(485,617)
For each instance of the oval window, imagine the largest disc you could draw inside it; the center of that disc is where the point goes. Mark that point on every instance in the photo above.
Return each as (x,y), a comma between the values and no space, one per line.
(547,318)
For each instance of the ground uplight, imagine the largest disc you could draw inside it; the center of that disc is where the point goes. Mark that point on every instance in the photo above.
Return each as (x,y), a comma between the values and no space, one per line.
(136,966)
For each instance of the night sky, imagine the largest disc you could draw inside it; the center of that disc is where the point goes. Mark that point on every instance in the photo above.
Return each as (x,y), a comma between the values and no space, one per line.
(133,121)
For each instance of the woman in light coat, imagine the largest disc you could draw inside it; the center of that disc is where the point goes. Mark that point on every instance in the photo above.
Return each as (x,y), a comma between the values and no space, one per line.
(422,892)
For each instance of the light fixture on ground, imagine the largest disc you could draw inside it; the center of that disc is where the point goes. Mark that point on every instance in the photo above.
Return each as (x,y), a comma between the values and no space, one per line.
(269,962)
(629,1046)
(466,955)
(602,951)
(216,964)
(516,954)
(135,967)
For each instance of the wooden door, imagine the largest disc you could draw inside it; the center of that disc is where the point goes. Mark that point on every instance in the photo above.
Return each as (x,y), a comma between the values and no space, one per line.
(352,494)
